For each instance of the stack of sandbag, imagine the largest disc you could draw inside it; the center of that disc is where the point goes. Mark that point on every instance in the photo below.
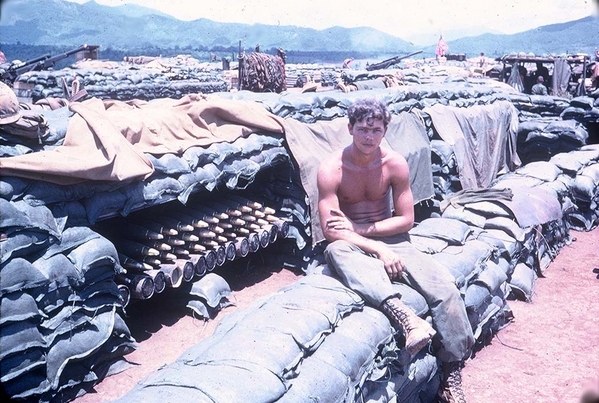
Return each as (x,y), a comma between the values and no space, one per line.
(477,266)
(536,218)
(541,138)
(61,329)
(581,176)
(297,75)
(123,83)
(328,105)
(234,165)
(445,169)
(329,347)
(583,109)
(37,130)
(540,105)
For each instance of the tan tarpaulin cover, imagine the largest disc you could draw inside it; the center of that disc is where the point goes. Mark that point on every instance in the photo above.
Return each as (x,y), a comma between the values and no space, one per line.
(483,138)
(106,140)
(312,143)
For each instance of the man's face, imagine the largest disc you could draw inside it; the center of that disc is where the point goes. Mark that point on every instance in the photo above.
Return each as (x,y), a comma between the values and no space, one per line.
(368,134)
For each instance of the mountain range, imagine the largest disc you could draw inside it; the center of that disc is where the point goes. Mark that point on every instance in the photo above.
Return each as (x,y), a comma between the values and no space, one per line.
(127,27)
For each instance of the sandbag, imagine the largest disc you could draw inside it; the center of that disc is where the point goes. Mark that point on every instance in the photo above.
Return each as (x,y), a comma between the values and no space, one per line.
(453,231)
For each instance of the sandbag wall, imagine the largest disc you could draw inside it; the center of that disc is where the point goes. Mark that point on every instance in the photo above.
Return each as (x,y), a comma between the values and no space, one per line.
(495,242)
(297,75)
(61,326)
(329,347)
(256,166)
(551,125)
(122,83)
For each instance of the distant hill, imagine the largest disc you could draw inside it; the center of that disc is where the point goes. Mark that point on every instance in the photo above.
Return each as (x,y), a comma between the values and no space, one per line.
(61,23)
(579,36)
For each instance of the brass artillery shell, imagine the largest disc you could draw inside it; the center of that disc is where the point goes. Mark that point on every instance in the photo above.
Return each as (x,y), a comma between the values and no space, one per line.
(141,286)
(205,234)
(210,256)
(194,247)
(218,229)
(273,232)
(283,227)
(209,243)
(132,264)
(167,256)
(201,267)
(181,252)
(135,249)
(158,245)
(173,274)
(188,237)
(188,269)
(230,251)
(242,246)
(268,210)
(237,222)
(137,232)
(152,262)
(254,205)
(206,214)
(174,223)
(225,226)
(221,255)
(261,222)
(248,218)
(159,280)
(125,294)
(264,236)
(188,219)
(254,240)
(174,241)
(155,226)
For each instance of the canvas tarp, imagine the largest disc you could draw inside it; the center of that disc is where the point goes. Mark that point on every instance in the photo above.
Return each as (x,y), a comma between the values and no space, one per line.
(106,140)
(483,139)
(312,143)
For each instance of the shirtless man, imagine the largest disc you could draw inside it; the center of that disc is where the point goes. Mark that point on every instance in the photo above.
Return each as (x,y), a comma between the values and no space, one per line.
(366,208)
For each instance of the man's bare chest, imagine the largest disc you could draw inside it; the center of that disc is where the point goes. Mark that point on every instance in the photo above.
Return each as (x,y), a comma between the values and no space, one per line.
(368,185)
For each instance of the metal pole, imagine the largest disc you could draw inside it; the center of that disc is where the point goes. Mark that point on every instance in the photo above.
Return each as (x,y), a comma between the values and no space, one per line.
(584,76)
(239,66)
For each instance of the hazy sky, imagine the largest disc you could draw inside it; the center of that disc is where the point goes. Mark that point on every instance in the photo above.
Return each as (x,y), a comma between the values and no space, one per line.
(415,20)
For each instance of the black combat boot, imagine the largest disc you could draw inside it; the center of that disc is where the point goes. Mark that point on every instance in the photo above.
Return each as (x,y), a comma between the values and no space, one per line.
(451,390)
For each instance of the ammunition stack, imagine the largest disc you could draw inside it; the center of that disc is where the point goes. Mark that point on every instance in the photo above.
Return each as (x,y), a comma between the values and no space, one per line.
(163,247)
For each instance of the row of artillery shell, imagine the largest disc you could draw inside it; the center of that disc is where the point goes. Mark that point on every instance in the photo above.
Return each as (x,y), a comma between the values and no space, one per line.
(165,249)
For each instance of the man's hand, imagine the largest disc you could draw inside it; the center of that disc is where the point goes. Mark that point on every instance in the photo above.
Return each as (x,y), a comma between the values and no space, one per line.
(392,262)
(338,221)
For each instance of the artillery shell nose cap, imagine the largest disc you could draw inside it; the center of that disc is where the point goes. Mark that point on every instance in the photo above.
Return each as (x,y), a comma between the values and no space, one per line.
(10,111)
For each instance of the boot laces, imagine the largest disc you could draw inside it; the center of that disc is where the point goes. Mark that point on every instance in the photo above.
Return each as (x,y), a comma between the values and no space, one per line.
(454,385)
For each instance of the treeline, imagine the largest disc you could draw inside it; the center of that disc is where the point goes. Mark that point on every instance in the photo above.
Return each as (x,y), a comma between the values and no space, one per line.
(24,52)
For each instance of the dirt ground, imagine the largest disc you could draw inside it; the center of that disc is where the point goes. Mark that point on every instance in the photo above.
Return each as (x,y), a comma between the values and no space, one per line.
(549,353)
